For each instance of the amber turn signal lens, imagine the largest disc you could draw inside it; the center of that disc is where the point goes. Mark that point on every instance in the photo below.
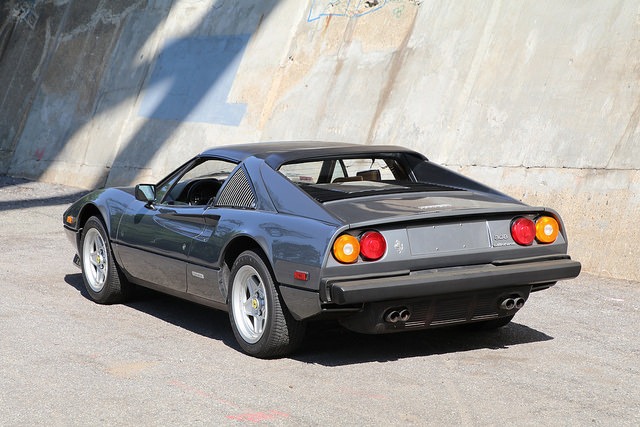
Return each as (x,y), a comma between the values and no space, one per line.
(346,249)
(547,229)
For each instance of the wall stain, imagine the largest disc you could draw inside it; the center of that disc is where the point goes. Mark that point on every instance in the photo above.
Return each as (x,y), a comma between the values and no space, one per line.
(397,60)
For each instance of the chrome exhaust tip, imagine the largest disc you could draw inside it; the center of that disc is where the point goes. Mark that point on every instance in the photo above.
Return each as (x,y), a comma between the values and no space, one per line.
(395,315)
(508,304)
(392,316)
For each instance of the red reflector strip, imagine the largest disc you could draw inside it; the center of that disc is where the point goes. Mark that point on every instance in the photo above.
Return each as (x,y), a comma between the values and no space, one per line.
(301,275)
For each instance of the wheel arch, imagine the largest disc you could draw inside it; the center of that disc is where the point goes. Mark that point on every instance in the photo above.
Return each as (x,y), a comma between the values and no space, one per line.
(87,212)
(238,245)
(232,251)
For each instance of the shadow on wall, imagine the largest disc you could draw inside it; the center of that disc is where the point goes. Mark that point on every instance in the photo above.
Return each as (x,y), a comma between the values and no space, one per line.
(84,61)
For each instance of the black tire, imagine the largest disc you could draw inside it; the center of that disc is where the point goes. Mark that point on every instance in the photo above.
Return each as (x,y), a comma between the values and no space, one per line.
(102,277)
(489,325)
(261,323)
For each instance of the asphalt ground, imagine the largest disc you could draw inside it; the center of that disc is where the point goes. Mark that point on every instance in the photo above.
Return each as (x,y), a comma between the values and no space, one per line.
(570,357)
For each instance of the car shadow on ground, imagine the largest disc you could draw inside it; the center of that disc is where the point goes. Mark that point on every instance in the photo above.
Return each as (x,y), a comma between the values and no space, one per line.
(326,342)
(335,346)
(193,317)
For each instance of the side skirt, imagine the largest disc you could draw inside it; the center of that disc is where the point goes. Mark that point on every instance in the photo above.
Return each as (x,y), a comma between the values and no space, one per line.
(182,295)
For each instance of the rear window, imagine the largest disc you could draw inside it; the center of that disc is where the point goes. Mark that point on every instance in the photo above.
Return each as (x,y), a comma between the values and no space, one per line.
(340,170)
(340,178)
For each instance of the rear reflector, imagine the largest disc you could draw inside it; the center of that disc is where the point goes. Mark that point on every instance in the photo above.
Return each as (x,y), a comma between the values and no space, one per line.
(301,275)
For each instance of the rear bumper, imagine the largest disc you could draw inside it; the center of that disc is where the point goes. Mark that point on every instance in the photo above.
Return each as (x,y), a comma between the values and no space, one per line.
(443,281)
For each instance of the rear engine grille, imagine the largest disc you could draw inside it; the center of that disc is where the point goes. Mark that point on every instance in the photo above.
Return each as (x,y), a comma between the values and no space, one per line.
(384,316)
(449,311)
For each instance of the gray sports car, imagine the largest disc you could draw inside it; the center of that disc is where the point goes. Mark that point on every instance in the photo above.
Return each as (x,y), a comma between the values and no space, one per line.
(279,234)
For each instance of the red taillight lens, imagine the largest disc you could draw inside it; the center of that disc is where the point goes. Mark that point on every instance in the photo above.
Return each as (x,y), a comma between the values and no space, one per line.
(523,231)
(372,245)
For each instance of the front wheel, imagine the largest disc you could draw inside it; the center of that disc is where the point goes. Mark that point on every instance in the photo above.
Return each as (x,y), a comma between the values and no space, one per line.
(102,278)
(261,323)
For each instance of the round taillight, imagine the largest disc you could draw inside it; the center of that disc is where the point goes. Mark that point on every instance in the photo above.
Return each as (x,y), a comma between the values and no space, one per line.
(346,249)
(372,245)
(547,229)
(523,231)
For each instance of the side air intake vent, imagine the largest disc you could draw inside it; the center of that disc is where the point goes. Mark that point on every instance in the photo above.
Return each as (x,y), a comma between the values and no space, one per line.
(237,193)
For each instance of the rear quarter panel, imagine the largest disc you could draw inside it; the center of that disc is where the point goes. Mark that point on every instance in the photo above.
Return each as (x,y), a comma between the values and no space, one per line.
(289,242)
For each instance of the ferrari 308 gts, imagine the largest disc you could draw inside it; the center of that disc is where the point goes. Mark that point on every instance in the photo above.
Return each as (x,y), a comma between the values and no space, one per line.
(280,234)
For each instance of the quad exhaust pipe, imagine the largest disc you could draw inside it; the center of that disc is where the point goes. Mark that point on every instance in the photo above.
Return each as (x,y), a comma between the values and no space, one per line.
(512,303)
(397,315)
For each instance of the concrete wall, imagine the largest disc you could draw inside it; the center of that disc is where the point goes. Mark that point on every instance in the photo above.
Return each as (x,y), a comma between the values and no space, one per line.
(540,99)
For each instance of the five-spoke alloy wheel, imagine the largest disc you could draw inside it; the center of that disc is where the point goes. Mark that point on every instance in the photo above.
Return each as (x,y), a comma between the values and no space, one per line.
(249,303)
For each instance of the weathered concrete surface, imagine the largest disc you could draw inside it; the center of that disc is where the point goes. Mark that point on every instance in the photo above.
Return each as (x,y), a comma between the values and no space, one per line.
(569,358)
(539,99)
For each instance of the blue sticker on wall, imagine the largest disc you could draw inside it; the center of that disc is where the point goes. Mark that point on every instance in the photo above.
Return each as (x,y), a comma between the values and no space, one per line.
(192,80)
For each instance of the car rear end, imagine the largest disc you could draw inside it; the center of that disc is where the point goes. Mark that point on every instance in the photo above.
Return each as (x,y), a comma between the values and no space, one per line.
(439,260)
(421,246)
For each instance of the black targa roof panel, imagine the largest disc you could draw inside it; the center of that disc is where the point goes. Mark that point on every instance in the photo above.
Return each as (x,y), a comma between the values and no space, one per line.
(276,154)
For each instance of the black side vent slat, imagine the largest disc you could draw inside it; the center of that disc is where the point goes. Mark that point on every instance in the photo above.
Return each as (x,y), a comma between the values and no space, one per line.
(237,193)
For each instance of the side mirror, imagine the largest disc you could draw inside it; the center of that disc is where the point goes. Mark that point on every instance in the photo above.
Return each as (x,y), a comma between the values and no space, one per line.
(146,193)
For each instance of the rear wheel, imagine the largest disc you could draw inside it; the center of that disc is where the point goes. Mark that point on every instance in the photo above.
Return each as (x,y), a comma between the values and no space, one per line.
(102,277)
(261,323)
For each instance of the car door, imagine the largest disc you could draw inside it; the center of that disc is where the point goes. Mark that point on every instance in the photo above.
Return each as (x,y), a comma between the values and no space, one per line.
(154,243)
(155,239)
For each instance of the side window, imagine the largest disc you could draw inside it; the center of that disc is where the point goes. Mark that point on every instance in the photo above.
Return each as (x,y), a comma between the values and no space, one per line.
(164,186)
(198,185)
